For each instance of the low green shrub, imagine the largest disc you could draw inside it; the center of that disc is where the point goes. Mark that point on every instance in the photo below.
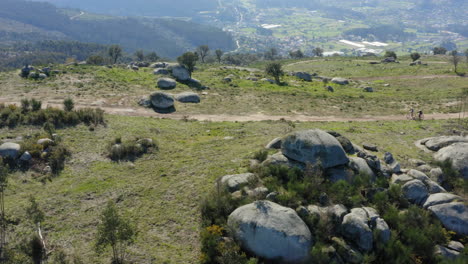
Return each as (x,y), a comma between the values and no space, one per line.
(68,104)
(11,116)
(261,155)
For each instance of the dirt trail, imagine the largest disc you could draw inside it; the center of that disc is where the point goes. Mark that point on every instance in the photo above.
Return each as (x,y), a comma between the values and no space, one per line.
(145,112)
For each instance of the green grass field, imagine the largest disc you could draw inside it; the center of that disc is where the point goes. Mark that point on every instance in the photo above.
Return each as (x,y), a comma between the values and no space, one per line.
(434,88)
(161,192)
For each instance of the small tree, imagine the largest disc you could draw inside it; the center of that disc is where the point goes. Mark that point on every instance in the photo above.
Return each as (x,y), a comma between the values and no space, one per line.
(296,54)
(219,54)
(189,60)
(115,52)
(68,104)
(318,52)
(455,59)
(140,55)
(271,54)
(276,70)
(415,56)
(37,243)
(152,57)
(390,54)
(116,232)
(203,51)
(439,50)
(466,55)
(95,60)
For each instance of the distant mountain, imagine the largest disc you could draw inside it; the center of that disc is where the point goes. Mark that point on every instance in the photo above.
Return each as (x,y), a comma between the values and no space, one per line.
(160,8)
(33,21)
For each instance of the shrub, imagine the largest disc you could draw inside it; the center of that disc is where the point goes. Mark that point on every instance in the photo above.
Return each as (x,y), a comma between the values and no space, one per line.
(130,150)
(415,56)
(217,205)
(261,155)
(35,105)
(390,53)
(68,104)
(57,157)
(25,105)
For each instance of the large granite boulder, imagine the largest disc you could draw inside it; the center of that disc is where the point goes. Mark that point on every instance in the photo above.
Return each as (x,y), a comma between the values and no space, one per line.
(458,155)
(188,97)
(415,191)
(355,227)
(360,166)
(341,81)
(167,83)
(304,76)
(314,146)
(10,150)
(437,143)
(271,231)
(162,100)
(441,198)
(179,72)
(160,71)
(237,181)
(454,216)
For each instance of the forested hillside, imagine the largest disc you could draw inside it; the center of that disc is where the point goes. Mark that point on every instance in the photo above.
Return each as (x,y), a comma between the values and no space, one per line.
(169,38)
(141,7)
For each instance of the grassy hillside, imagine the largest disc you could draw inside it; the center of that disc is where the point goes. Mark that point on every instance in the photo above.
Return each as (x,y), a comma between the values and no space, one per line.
(161,192)
(398,87)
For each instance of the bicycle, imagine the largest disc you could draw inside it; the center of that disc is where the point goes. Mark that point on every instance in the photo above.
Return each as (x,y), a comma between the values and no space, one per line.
(410,116)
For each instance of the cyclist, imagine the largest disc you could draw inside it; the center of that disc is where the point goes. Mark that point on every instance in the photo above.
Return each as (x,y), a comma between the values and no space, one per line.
(420,115)
(411,113)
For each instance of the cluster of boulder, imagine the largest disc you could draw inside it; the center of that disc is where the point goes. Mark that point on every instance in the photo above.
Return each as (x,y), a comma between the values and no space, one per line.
(136,65)
(14,152)
(308,77)
(418,62)
(177,72)
(166,101)
(390,60)
(274,232)
(30,72)
(453,148)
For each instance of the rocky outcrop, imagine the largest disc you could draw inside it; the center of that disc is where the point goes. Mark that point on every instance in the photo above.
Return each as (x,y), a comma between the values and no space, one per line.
(358,226)
(452,148)
(271,231)
(314,146)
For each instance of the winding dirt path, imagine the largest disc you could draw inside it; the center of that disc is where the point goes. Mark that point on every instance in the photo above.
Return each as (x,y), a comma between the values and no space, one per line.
(145,112)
